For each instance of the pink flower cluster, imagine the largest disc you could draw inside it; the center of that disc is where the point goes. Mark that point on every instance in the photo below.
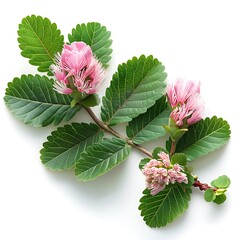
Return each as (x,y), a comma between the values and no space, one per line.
(160,173)
(184,97)
(77,69)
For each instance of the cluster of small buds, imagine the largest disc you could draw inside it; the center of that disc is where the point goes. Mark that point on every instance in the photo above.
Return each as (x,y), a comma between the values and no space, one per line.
(160,173)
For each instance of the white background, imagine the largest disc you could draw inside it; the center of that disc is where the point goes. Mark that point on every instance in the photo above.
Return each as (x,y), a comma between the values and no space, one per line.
(198,40)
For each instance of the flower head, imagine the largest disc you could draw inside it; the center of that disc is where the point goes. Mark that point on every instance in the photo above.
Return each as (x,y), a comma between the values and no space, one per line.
(186,102)
(160,173)
(77,69)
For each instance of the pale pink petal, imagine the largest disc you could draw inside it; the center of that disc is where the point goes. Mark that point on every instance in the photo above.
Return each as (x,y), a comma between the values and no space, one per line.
(62,88)
(75,46)
(165,158)
(157,188)
(177,167)
(181,178)
(153,163)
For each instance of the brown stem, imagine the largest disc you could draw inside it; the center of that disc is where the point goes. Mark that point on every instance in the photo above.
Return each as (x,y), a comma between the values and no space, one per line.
(108,129)
(203,186)
(173,147)
(105,127)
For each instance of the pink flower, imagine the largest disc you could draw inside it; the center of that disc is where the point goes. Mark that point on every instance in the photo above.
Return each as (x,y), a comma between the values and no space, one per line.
(77,69)
(186,102)
(156,188)
(177,167)
(165,158)
(154,163)
(160,173)
(175,176)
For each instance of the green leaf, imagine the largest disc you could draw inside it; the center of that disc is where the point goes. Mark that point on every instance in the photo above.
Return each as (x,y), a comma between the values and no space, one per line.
(204,137)
(168,144)
(74,102)
(179,158)
(209,195)
(221,182)
(189,169)
(143,162)
(179,133)
(149,126)
(220,199)
(134,88)
(91,101)
(33,100)
(174,132)
(65,145)
(101,158)
(97,37)
(39,40)
(157,150)
(163,208)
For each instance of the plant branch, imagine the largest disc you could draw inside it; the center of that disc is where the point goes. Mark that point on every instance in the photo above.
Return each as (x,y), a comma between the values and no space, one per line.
(203,186)
(108,129)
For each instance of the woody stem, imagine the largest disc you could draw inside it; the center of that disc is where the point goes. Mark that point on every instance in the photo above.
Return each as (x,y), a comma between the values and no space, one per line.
(203,186)
(108,129)
(173,148)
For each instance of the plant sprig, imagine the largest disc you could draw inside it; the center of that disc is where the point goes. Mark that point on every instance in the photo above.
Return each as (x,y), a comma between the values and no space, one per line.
(137,95)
